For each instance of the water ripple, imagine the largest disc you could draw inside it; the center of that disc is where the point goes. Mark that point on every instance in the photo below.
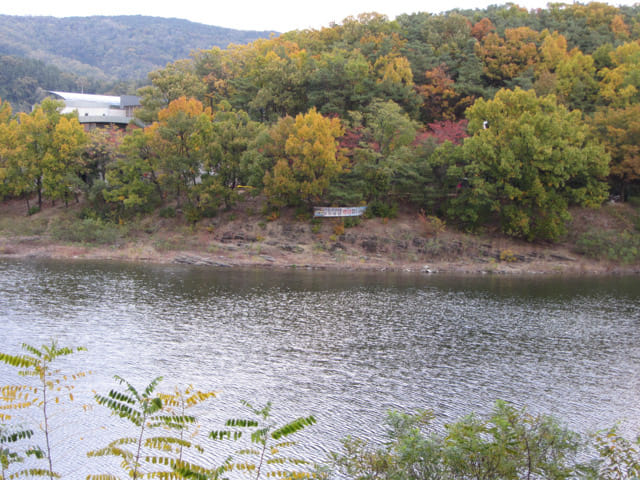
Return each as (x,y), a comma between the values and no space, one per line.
(344,347)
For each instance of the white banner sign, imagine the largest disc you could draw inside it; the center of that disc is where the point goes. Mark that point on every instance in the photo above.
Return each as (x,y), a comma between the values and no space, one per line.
(338,211)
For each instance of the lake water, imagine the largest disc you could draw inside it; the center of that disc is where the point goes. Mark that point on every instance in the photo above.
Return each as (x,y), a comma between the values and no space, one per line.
(345,347)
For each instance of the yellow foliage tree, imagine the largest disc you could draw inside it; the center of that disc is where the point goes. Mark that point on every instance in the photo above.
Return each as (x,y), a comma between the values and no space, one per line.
(311,160)
(620,84)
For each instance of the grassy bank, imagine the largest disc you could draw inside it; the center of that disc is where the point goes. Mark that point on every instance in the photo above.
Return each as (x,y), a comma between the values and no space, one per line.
(605,240)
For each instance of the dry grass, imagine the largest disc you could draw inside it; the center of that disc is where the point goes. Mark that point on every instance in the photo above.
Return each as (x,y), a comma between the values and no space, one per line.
(244,236)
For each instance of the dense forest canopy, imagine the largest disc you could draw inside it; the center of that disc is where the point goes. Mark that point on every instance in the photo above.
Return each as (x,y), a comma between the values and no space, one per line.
(497,116)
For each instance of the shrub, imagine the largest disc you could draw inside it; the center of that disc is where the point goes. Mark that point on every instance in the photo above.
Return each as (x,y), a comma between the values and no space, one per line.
(509,444)
(273,215)
(167,212)
(303,214)
(380,209)
(508,256)
(431,224)
(634,201)
(193,214)
(624,247)
(350,222)
(88,230)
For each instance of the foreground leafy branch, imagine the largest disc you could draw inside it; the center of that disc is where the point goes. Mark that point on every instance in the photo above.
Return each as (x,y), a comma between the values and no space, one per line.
(507,444)
(50,386)
(147,454)
(264,447)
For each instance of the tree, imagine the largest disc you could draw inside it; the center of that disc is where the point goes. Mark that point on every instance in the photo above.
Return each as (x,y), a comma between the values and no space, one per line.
(100,151)
(224,169)
(576,84)
(8,145)
(382,157)
(268,78)
(342,80)
(311,160)
(66,166)
(132,180)
(49,160)
(619,129)
(507,444)
(390,126)
(511,444)
(534,159)
(146,454)
(177,79)
(266,444)
(506,58)
(482,28)
(214,69)
(50,387)
(445,41)
(620,85)
(30,158)
(441,100)
(182,138)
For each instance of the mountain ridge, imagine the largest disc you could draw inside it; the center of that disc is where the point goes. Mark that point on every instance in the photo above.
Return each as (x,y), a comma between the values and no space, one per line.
(100,54)
(123,47)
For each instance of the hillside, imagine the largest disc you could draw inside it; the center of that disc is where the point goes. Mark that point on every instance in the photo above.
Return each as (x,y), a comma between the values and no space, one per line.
(114,47)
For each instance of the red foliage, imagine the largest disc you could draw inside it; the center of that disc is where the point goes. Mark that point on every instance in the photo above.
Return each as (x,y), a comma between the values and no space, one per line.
(351,139)
(454,132)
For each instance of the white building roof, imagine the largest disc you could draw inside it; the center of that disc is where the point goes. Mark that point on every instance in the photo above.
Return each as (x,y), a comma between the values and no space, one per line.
(88,100)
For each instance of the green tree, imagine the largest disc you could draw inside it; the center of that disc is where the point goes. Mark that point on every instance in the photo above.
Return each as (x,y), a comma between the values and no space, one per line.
(225,167)
(132,180)
(341,81)
(507,444)
(408,453)
(533,161)
(391,128)
(511,445)
(577,87)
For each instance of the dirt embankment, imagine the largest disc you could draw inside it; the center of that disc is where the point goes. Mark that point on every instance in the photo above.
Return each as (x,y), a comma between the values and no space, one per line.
(244,237)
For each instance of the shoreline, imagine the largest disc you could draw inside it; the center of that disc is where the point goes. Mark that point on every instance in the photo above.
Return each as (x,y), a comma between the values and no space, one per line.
(25,248)
(243,238)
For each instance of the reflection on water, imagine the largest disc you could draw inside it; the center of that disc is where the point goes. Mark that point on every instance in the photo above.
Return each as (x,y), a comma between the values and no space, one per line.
(345,347)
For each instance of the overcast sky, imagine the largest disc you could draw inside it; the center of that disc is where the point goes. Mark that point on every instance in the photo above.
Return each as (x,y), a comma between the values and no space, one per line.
(279,15)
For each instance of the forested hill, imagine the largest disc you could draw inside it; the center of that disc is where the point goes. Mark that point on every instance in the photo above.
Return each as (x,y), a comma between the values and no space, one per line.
(111,47)
(96,54)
